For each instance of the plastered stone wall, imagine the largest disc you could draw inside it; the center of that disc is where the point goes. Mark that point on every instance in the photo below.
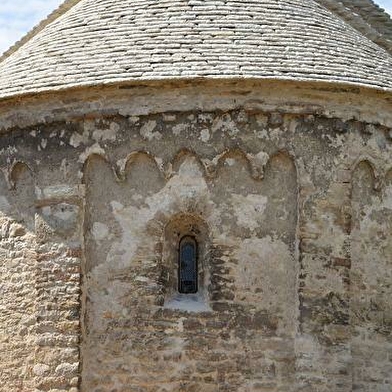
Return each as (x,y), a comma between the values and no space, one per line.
(193,343)
(371,278)
(291,209)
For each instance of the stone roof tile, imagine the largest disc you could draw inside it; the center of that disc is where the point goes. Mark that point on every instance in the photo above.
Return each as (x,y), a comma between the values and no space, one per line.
(107,41)
(365,16)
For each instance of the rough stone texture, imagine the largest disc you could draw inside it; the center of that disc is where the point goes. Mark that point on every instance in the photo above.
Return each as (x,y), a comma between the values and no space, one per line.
(291,205)
(17,280)
(59,221)
(101,42)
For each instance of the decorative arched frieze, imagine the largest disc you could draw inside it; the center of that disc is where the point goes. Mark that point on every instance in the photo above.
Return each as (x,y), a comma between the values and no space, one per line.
(136,158)
(183,155)
(366,161)
(280,183)
(90,159)
(237,156)
(17,172)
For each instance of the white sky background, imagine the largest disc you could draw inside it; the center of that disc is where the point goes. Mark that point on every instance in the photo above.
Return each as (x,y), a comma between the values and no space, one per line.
(17,17)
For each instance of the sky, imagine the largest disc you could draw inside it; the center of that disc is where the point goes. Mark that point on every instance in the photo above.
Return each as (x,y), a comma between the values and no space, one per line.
(17,17)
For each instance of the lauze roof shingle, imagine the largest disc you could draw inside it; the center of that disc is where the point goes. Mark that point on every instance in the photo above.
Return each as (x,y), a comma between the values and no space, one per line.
(105,41)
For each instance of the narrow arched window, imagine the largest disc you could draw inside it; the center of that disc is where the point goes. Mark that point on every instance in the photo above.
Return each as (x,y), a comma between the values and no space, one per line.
(187,266)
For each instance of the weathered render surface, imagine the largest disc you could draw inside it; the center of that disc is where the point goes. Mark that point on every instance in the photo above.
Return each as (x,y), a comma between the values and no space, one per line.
(262,129)
(290,205)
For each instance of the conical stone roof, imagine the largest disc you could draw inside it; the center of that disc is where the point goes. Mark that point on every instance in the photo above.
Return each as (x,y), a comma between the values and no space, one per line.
(111,41)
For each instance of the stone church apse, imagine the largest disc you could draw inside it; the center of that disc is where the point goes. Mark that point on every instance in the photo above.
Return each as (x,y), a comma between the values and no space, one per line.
(226,250)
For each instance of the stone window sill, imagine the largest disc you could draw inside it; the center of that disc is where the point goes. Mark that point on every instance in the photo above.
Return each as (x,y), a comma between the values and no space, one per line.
(188,302)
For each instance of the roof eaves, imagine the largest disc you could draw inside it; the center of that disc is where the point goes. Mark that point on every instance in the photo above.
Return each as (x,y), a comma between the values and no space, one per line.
(61,10)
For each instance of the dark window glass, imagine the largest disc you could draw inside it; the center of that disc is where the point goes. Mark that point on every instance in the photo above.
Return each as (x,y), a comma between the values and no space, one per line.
(187,266)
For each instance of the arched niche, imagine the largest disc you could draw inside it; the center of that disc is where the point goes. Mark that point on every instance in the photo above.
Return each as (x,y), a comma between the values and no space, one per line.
(22,194)
(142,173)
(102,186)
(362,197)
(185,230)
(117,207)
(370,275)
(280,186)
(184,157)
(231,165)
(363,184)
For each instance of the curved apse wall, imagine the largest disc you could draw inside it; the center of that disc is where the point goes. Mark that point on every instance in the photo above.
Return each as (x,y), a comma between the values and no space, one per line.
(243,211)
